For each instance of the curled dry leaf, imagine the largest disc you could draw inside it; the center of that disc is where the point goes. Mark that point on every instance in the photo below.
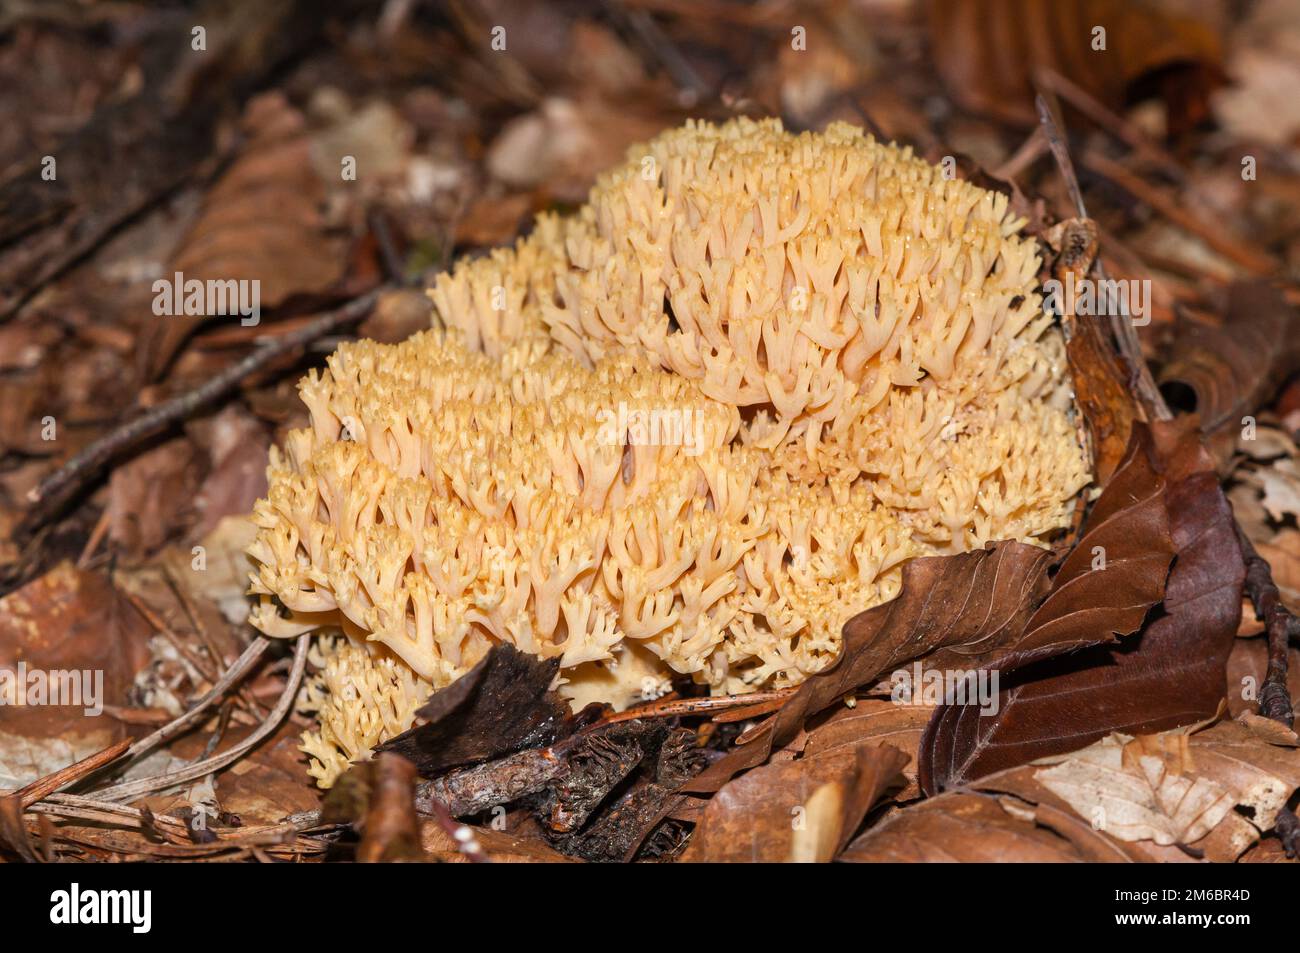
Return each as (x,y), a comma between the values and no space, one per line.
(1173,788)
(872,722)
(260,222)
(1121,799)
(981,609)
(794,811)
(1104,588)
(1232,369)
(978,599)
(990,52)
(979,827)
(1172,674)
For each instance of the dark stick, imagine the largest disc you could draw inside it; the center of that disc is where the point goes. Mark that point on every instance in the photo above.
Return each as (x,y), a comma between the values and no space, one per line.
(61,486)
(1282,626)
(1274,698)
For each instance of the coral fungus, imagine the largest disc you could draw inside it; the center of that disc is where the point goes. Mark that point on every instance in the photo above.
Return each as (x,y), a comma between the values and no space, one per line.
(688,431)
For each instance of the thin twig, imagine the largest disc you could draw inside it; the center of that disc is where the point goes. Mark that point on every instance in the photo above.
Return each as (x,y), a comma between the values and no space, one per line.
(232,675)
(1026,154)
(205,637)
(206,669)
(134,789)
(1054,128)
(695,706)
(44,787)
(97,811)
(61,486)
(690,88)
(1125,334)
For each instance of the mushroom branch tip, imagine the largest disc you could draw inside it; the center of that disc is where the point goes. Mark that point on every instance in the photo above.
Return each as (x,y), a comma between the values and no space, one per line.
(686,432)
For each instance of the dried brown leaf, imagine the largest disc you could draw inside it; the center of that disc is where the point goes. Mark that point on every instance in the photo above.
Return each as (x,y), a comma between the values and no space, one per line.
(75,622)
(260,222)
(981,609)
(874,721)
(1173,673)
(990,52)
(978,599)
(500,847)
(1232,369)
(794,811)
(152,496)
(977,827)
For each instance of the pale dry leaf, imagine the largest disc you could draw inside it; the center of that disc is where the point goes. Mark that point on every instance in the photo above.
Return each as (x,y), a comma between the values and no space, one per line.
(1266,443)
(375,136)
(224,577)
(24,759)
(1281,485)
(1177,788)
(1140,801)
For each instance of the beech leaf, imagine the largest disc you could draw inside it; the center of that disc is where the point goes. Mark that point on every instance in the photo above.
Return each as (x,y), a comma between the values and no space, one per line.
(979,599)
(1172,673)
(803,811)
(1234,368)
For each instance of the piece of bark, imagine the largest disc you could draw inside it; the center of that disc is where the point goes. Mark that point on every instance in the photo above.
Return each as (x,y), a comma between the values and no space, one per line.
(503,704)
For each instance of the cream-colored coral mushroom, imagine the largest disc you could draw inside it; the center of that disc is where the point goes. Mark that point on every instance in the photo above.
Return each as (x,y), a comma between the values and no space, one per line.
(687,432)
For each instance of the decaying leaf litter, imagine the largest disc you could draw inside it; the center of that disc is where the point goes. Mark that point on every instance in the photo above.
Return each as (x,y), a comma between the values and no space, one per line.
(1139,706)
